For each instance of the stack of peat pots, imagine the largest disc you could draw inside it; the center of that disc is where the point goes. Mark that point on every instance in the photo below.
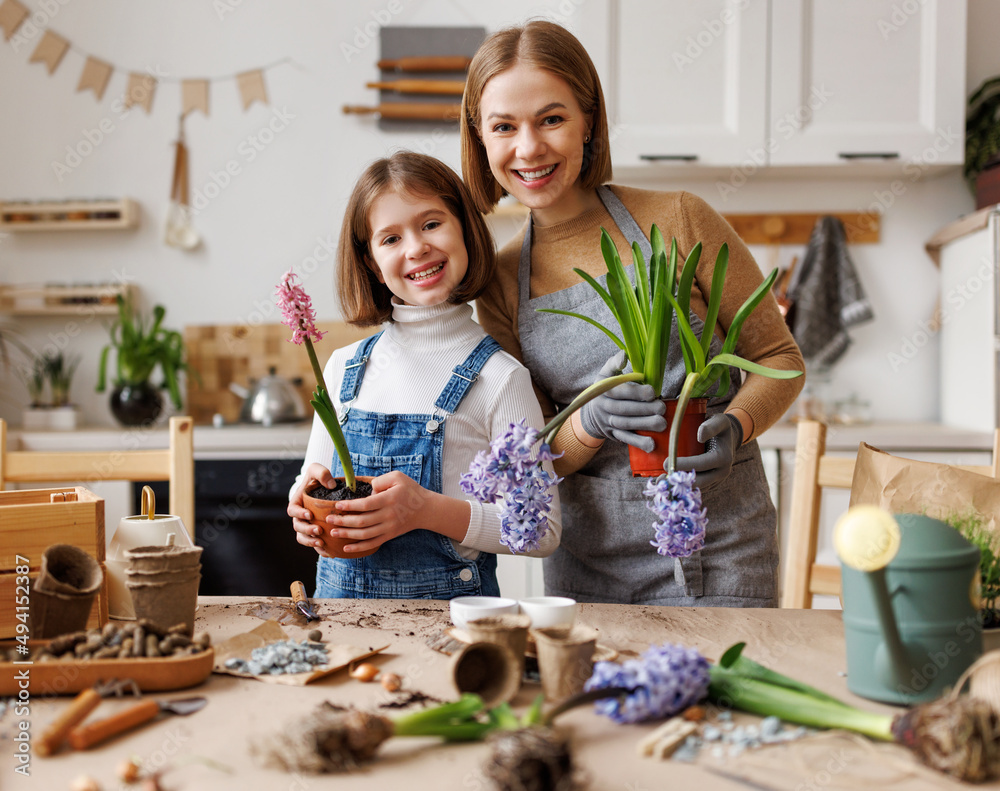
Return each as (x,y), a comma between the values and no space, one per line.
(163,582)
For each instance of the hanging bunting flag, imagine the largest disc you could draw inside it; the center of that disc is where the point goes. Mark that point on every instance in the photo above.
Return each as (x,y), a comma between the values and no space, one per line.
(251,85)
(12,14)
(194,96)
(94,77)
(50,51)
(140,90)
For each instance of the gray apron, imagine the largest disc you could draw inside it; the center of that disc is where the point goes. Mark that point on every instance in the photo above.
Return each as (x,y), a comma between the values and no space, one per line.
(605,554)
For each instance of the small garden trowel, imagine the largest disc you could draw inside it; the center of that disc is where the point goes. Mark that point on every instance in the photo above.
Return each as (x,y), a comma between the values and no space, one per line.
(302,602)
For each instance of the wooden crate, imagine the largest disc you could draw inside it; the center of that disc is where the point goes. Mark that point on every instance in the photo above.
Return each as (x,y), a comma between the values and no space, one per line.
(29,523)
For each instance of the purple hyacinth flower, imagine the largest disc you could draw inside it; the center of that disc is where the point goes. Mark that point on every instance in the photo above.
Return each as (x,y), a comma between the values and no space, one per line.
(665,680)
(512,474)
(682,519)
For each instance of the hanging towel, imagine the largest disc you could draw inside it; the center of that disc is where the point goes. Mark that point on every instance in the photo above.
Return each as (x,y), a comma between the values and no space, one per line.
(827,295)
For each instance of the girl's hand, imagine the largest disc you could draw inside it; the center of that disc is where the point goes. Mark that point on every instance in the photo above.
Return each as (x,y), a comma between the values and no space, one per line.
(398,505)
(306,533)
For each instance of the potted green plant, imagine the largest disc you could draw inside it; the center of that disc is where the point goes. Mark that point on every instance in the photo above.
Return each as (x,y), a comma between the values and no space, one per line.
(59,369)
(32,376)
(644,313)
(970,525)
(982,143)
(141,346)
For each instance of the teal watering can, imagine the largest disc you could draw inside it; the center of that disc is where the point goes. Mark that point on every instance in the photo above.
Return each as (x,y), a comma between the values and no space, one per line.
(910,590)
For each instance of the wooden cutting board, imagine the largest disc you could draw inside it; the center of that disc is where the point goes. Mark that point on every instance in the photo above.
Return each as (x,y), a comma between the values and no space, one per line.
(221,354)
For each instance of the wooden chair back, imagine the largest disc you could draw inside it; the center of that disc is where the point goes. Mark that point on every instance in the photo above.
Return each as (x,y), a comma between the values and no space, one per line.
(814,471)
(174,464)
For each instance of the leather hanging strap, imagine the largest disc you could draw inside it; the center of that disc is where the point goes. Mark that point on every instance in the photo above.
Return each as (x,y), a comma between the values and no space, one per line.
(179,187)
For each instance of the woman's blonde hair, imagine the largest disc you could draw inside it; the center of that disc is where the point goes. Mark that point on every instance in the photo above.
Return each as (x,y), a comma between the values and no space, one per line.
(364,299)
(553,48)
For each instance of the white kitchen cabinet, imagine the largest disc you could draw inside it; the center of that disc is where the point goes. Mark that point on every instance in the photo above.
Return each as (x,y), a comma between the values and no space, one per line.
(684,82)
(867,79)
(748,83)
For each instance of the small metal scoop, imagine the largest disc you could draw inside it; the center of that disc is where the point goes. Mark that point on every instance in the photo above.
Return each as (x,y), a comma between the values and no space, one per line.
(85,736)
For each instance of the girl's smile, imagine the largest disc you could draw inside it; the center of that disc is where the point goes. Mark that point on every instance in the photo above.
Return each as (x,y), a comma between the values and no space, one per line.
(418,247)
(534,130)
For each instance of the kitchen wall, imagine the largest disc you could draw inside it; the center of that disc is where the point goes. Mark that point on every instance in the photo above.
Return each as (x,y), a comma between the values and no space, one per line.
(283,205)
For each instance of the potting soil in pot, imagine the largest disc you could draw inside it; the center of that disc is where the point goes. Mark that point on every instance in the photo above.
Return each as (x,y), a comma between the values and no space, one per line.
(362,489)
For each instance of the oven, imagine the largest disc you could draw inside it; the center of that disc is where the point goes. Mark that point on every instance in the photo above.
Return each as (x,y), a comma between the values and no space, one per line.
(248,545)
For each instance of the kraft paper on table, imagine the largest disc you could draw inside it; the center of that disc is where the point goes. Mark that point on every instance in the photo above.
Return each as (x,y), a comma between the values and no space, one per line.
(242,645)
(922,487)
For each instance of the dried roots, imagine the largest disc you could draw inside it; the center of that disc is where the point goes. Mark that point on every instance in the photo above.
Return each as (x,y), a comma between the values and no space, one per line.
(530,759)
(960,738)
(326,741)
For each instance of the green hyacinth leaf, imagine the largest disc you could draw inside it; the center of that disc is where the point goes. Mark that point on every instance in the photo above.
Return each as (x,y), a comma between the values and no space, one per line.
(641,283)
(694,357)
(715,298)
(746,309)
(753,368)
(602,292)
(687,280)
(601,327)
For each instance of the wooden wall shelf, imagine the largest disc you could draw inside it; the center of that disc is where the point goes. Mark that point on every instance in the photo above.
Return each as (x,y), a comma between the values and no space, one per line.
(787,228)
(54,300)
(69,215)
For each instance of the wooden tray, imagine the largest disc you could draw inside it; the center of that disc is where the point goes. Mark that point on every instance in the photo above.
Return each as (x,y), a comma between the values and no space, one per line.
(150,674)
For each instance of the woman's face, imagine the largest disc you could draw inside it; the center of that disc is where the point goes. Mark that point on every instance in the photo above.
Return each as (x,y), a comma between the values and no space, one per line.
(418,247)
(533,130)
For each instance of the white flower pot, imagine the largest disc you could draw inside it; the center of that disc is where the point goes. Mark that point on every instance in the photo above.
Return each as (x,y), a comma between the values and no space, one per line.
(60,418)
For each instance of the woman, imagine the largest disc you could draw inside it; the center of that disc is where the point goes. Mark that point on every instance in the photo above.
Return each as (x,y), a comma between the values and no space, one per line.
(534,125)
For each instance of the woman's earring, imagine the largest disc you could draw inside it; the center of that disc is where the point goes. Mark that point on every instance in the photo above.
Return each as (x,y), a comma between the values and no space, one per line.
(586,139)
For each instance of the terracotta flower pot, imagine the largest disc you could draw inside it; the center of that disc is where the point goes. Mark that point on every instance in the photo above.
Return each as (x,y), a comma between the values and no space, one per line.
(649,465)
(321,509)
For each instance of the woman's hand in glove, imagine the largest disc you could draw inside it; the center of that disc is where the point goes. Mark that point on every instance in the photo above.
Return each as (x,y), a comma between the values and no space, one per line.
(722,434)
(623,410)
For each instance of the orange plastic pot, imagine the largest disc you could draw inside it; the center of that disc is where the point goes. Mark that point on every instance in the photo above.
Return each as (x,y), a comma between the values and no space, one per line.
(321,509)
(649,465)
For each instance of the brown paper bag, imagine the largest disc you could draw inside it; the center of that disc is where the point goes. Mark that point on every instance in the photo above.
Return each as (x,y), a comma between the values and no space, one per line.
(922,487)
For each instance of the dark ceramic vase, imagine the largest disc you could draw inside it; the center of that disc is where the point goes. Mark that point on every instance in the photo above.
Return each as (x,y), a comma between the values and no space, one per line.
(136,405)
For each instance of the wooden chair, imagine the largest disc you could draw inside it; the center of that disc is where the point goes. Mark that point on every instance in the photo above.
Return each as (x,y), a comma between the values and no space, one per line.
(814,471)
(174,464)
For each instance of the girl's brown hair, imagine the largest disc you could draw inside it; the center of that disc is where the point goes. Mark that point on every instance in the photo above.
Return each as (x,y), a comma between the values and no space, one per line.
(553,48)
(364,300)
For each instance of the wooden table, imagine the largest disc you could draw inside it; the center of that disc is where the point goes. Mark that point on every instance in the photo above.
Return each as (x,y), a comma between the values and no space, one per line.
(808,644)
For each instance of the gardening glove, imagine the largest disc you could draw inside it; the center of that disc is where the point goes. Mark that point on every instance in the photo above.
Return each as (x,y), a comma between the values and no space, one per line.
(722,434)
(623,410)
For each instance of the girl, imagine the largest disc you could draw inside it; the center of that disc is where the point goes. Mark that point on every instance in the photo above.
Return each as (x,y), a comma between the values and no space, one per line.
(534,125)
(419,399)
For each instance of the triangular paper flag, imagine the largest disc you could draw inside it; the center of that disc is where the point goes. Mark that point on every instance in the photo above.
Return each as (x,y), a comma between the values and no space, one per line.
(194,96)
(50,51)
(140,90)
(251,84)
(95,76)
(12,14)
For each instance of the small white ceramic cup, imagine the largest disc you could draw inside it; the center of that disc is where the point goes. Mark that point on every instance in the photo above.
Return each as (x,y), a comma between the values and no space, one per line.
(469,608)
(549,611)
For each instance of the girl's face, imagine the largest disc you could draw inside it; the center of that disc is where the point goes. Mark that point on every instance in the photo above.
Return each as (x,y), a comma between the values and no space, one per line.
(533,130)
(418,247)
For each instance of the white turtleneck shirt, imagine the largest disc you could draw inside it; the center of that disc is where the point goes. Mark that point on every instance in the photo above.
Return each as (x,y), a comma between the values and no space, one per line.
(407,369)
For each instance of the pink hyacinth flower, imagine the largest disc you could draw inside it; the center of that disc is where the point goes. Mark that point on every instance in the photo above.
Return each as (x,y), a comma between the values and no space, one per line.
(297,310)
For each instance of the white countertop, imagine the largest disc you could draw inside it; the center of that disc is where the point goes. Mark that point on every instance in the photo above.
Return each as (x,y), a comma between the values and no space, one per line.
(289,441)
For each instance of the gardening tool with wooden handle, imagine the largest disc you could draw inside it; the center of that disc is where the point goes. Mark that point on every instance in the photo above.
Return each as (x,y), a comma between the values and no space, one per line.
(427,63)
(85,736)
(445,87)
(409,111)
(84,703)
(302,601)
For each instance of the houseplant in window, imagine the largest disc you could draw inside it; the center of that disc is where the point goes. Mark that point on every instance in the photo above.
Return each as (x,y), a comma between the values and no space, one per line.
(141,345)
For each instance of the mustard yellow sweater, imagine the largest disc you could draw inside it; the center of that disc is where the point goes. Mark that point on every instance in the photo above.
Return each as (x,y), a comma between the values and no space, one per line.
(557,249)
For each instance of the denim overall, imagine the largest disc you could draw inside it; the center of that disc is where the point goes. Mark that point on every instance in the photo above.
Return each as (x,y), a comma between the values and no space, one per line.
(605,555)
(420,564)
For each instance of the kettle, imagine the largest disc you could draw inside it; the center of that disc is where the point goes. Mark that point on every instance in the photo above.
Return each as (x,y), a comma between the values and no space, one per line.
(910,587)
(273,399)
